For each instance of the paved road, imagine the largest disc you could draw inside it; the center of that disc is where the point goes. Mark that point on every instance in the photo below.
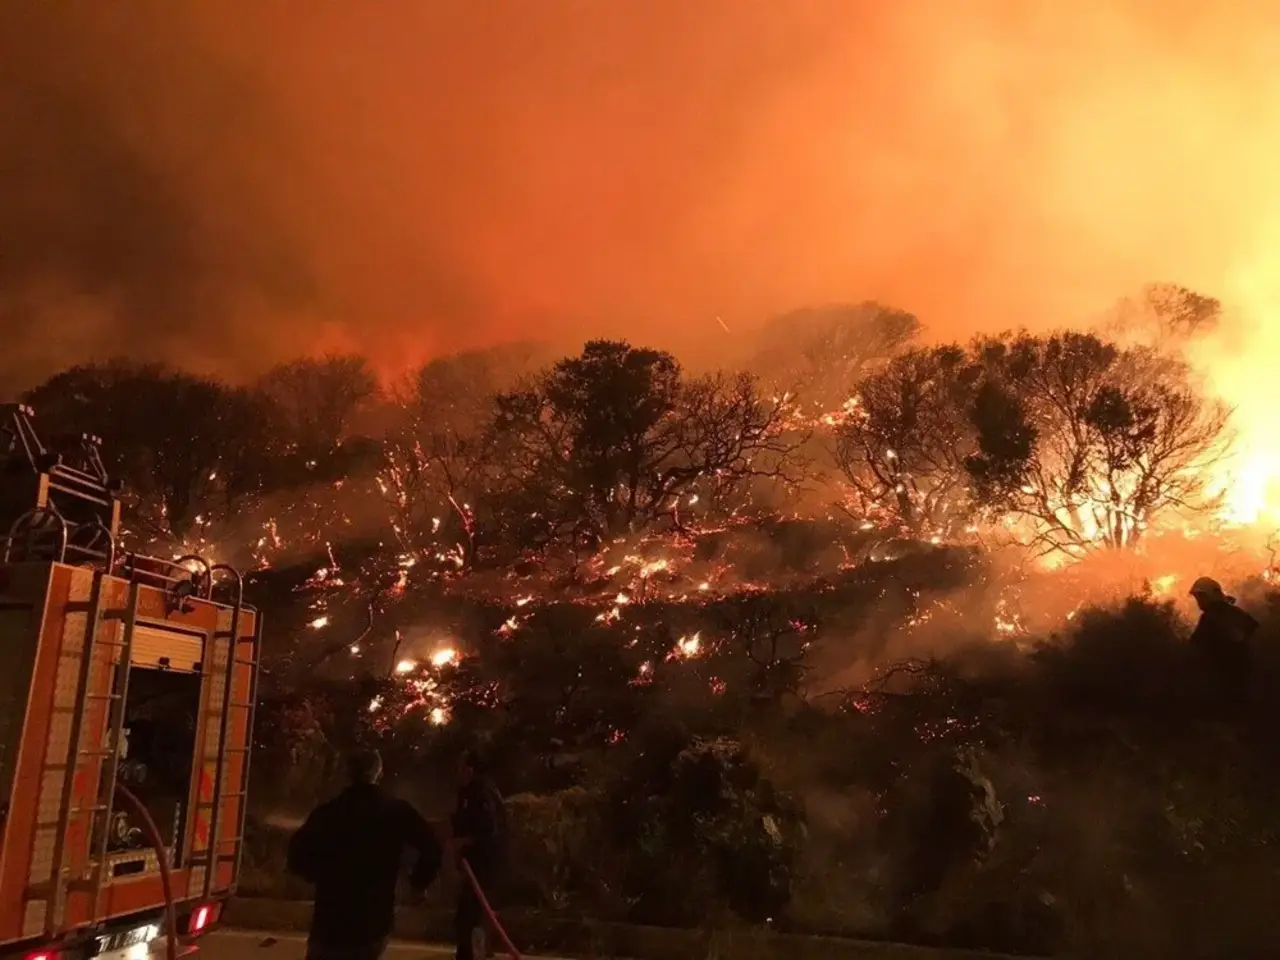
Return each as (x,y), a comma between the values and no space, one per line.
(256,945)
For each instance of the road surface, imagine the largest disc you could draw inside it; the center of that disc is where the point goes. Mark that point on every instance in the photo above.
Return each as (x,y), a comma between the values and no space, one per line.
(257,945)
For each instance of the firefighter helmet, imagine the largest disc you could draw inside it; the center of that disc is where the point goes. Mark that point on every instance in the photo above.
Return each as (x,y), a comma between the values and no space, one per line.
(1208,589)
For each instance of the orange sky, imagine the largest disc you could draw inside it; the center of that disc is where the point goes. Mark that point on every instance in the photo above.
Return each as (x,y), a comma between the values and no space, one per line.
(224,182)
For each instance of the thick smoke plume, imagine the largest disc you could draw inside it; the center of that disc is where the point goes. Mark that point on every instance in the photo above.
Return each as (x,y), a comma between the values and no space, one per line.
(222,185)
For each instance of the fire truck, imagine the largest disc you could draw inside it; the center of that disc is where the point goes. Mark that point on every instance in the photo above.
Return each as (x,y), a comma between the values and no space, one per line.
(127,693)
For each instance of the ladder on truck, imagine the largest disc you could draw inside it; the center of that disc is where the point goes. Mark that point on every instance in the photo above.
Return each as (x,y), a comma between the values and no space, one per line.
(211,856)
(71,515)
(104,756)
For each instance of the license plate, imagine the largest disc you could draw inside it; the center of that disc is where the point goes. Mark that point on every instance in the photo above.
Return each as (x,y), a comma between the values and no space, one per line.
(126,939)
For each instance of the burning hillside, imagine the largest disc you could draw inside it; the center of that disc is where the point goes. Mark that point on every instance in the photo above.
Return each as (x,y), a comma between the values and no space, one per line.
(955,494)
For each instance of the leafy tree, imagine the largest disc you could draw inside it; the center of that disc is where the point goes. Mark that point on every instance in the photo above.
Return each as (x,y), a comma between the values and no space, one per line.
(823,351)
(616,440)
(186,447)
(1082,446)
(902,445)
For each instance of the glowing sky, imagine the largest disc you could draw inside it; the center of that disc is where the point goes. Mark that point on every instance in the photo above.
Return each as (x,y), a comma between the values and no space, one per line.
(224,182)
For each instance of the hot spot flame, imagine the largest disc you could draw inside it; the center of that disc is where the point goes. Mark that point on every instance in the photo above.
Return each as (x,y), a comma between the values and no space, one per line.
(444,658)
(689,646)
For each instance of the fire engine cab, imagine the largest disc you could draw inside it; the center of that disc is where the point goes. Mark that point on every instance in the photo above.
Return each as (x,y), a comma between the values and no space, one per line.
(127,692)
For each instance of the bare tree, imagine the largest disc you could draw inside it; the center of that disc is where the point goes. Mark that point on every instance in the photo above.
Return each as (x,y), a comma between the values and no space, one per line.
(903,443)
(317,399)
(1163,316)
(822,352)
(775,638)
(439,457)
(1084,445)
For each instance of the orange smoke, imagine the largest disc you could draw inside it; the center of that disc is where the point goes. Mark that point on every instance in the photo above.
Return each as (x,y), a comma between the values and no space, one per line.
(412,178)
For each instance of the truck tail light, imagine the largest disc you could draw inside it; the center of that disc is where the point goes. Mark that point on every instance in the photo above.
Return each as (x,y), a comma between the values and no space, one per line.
(201,918)
(42,955)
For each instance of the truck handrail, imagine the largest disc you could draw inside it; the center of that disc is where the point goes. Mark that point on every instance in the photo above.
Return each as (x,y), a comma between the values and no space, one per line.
(99,528)
(29,519)
(138,563)
(206,584)
(237,580)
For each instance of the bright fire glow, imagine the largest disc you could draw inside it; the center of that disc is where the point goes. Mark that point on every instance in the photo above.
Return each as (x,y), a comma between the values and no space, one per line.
(445,657)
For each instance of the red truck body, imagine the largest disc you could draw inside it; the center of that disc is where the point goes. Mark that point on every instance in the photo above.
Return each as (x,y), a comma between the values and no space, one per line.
(116,671)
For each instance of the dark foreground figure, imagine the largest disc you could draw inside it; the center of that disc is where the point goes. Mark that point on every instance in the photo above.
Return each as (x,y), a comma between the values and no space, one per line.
(480,836)
(1221,642)
(352,849)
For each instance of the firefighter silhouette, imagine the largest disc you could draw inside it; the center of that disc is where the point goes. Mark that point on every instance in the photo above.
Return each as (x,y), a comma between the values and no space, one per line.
(1221,639)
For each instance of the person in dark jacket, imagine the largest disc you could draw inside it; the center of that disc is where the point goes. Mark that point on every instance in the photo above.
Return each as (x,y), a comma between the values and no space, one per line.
(479,838)
(352,848)
(1221,639)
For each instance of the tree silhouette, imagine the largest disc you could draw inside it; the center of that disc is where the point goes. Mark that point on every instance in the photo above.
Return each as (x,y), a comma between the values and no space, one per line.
(1086,445)
(317,399)
(616,440)
(902,445)
(186,448)
(439,457)
(822,352)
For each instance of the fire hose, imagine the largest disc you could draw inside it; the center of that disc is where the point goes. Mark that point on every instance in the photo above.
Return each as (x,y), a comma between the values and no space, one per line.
(166,881)
(162,857)
(488,910)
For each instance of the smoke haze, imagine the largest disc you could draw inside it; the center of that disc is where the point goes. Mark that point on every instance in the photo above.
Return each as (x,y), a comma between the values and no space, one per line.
(223,184)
